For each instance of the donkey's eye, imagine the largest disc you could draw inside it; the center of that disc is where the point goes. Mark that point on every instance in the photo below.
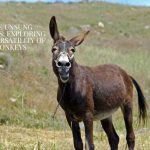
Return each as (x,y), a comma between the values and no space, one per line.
(54,49)
(72,49)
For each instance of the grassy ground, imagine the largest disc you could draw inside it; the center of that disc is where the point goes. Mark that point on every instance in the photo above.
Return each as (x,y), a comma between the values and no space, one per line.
(124,40)
(16,138)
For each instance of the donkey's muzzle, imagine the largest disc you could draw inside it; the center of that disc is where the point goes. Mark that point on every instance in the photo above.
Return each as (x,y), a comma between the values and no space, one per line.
(63,64)
(63,69)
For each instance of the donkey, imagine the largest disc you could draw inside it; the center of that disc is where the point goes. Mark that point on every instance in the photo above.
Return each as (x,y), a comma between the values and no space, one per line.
(93,93)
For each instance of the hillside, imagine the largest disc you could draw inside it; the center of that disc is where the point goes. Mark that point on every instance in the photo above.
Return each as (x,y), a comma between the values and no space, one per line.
(119,35)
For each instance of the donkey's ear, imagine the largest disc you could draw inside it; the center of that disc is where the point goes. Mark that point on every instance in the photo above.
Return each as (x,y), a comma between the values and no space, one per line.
(53,29)
(77,40)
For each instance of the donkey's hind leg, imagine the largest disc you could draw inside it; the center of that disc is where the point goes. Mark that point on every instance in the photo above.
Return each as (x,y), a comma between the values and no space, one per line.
(113,138)
(127,113)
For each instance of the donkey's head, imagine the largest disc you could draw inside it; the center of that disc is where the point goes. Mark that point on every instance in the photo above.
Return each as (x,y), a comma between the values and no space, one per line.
(63,50)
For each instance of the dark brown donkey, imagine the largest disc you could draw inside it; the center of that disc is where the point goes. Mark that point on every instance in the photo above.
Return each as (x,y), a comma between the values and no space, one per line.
(93,93)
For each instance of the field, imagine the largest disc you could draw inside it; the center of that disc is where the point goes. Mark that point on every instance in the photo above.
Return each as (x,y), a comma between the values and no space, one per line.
(119,35)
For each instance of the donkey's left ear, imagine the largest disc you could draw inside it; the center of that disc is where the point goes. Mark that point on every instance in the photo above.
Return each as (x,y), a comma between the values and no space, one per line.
(77,40)
(54,29)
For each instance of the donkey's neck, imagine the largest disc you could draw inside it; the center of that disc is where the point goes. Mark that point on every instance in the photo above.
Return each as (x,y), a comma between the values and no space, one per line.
(73,71)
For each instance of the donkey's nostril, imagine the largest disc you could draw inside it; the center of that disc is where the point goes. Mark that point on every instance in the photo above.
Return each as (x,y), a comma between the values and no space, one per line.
(59,64)
(63,64)
(68,64)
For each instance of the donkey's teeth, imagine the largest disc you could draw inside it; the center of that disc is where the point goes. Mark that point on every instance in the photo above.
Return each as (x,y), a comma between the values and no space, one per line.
(64,80)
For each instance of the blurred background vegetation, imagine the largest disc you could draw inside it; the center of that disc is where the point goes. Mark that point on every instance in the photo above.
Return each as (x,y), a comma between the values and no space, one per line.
(119,35)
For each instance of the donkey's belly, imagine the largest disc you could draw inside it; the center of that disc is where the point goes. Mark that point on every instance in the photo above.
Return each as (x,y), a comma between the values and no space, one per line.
(105,114)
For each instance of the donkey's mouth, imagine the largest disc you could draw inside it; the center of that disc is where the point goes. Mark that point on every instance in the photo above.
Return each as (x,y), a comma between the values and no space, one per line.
(63,74)
(64,78)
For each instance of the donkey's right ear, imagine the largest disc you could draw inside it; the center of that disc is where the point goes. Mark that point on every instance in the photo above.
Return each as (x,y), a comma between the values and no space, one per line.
(53,29)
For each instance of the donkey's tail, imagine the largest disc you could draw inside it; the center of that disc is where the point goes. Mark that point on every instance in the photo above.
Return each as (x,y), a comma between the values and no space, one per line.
(141,102)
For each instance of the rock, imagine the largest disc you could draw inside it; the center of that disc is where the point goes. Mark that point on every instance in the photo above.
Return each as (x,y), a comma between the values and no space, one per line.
(2,66)
(101,24)
(86,27)
(147,27)
(6,60)
(12,99)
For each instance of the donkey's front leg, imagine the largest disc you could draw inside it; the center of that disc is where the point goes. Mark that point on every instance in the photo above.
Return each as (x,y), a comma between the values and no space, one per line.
(78,145)
(77,136)
(88,123)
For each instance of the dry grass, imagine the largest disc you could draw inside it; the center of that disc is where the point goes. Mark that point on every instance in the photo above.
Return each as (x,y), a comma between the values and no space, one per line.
(16,138)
